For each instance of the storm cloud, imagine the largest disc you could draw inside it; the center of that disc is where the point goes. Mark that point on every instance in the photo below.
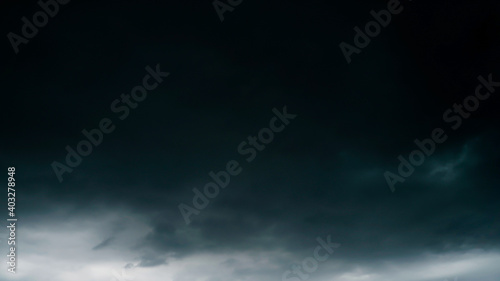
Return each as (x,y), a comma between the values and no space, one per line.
(116,215)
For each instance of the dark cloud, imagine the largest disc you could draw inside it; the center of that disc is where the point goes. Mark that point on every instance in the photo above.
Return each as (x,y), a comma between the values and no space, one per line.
(323,175)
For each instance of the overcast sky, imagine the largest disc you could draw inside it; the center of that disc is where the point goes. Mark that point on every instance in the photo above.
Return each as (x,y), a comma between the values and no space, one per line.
(116,216)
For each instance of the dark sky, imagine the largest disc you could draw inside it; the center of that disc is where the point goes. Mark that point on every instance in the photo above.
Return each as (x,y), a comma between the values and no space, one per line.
(321,176)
